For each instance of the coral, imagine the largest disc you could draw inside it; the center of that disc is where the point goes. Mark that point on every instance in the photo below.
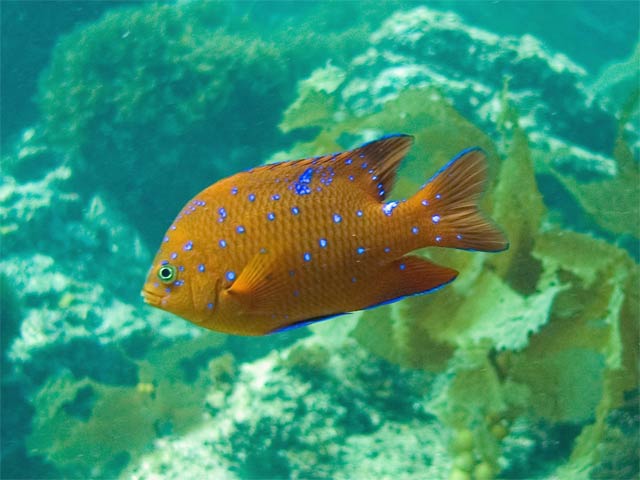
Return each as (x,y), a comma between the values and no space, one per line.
(310,362)
(363,418)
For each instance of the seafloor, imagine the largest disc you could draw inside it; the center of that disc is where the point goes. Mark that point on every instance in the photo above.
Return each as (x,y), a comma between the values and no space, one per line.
(525,367)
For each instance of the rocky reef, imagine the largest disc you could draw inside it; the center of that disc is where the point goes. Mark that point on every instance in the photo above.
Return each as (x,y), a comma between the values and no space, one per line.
(526,366)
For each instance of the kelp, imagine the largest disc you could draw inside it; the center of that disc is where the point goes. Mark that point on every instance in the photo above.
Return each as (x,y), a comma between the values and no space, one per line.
(92,429)
(546,331)
(613,203)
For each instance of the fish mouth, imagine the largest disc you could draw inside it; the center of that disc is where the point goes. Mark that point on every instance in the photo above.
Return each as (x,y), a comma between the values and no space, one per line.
(150,298)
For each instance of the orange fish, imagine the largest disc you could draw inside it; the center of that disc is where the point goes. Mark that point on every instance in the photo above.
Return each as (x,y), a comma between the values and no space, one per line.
(288,244)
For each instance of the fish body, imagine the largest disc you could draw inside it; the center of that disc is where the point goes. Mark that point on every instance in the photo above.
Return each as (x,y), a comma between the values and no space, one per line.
(287,244)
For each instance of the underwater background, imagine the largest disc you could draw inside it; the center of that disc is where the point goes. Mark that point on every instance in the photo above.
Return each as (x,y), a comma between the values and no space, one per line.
(114,114)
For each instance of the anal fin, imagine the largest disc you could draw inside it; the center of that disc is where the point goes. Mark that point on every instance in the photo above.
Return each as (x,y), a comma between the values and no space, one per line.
(407,276)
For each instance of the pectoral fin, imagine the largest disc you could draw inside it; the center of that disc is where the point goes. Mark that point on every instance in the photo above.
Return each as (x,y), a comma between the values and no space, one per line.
(260,286)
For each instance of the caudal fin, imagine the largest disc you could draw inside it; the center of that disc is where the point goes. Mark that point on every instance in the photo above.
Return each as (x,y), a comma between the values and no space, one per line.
(449,205)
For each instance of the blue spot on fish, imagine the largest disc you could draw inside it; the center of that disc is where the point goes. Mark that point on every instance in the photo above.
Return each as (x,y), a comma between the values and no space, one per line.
(360,250)
(359,213)
(435,218)
(275,197)
(307,257)
(230,275)
(387,208)
(438,238)
(271,216)
(302,185)
(425,203)
(459,237)
(348,161)
(240,229)
(295,210)
(337,218)
(402,266)
(201,267)
(174,255)
(438,196)
(222,243)
(323,242)
(210,306)
(415,230)
(188,246)
(234,191)
(252,197)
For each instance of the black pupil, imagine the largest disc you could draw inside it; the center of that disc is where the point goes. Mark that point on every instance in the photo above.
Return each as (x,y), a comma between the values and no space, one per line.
(165,273)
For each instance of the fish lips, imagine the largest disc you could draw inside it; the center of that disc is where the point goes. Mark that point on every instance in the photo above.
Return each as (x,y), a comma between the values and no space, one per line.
(151,298)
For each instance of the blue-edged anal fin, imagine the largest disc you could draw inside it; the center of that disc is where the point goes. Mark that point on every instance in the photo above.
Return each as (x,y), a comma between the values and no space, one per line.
(259,288)
(407,276)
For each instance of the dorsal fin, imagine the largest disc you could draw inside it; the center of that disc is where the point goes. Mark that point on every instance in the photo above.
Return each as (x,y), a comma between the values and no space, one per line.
(372,166)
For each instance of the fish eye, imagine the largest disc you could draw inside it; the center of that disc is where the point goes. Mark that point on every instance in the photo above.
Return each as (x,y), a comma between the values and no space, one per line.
(167,273)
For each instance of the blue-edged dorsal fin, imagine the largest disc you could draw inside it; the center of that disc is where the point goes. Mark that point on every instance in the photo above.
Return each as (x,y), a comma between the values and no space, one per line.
(373,166)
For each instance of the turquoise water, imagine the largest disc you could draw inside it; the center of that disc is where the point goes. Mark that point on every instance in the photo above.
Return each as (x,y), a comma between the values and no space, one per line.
(114,115)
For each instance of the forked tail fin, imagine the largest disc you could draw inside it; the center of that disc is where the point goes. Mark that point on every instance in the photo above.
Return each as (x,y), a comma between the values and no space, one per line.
(449,205)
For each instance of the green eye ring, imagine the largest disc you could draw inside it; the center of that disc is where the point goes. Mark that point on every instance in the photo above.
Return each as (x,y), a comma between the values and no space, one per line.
(166,273)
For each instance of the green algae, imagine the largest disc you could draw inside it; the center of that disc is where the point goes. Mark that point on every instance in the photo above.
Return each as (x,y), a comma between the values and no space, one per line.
(87,428)
(544,330)
(150,90)
(614,203)
(155,74)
